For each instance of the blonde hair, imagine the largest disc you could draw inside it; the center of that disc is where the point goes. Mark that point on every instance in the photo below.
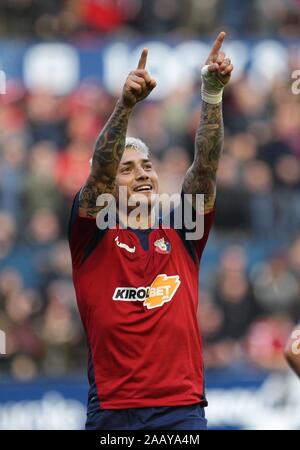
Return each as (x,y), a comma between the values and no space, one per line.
(136,144)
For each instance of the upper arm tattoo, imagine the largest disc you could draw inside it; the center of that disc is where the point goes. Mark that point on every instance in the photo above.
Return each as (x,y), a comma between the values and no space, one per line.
(201,177)
(108,152)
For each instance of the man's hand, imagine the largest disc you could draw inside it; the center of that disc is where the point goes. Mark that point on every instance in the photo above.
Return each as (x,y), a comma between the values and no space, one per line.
(218,63)
(138,84)
(216,73)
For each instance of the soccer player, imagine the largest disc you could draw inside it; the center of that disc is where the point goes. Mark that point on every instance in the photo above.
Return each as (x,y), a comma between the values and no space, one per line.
(292,350)
(137,287)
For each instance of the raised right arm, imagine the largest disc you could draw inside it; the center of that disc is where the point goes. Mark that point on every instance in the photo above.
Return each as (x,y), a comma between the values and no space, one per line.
(107,155)
(110,144)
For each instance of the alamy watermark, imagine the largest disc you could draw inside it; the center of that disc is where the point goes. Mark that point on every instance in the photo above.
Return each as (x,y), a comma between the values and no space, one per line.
(296,83)
(2,82)
(2,343)
(182,212)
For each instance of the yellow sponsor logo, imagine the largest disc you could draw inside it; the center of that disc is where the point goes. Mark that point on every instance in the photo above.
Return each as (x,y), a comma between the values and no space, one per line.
(161,291)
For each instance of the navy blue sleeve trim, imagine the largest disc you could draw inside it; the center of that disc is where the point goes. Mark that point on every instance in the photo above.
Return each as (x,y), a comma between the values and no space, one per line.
(189,244)
(93,244)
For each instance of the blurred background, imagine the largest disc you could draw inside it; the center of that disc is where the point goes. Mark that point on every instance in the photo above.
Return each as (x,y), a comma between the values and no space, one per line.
(65,62)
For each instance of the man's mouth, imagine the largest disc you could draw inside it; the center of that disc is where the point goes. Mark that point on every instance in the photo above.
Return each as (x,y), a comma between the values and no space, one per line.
(143,188)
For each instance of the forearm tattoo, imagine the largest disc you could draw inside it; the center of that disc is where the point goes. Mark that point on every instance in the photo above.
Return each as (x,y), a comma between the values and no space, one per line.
(108,152)
(201,177)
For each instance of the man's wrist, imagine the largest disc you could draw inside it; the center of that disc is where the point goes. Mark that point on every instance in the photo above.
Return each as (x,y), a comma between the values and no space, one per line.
(212,87)
(212,99)
(125,105)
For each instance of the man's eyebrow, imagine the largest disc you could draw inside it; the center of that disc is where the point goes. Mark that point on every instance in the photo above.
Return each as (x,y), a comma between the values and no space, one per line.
(129,163)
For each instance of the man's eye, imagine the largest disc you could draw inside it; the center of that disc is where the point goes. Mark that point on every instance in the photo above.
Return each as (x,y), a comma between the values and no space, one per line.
(127,170)
(148,167)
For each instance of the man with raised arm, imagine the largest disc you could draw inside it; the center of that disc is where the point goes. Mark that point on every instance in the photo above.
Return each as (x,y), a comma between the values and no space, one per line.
(136,286)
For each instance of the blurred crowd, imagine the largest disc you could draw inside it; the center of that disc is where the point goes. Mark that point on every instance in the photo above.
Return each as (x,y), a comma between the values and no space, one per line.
(64,18)
(250,276)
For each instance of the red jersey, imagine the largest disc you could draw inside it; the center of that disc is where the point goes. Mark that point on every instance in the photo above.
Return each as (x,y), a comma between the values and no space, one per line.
(137,293)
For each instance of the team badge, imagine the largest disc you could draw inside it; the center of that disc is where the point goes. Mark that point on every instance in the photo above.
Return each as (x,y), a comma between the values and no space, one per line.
(162,246)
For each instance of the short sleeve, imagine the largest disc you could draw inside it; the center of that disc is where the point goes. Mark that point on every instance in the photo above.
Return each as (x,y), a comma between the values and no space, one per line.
(83,234)
(194,245)
(201,243)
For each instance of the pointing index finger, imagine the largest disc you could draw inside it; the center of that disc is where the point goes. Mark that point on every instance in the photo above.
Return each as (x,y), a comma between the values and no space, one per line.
(143,59)
(218,43)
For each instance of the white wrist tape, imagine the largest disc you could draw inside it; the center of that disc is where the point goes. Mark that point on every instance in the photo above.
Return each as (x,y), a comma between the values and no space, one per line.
(212,87)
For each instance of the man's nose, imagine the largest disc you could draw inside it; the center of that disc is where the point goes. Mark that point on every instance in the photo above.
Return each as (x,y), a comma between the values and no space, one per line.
(140,173)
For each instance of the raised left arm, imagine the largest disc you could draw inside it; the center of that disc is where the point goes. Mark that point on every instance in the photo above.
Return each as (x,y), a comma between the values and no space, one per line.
(201,176)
